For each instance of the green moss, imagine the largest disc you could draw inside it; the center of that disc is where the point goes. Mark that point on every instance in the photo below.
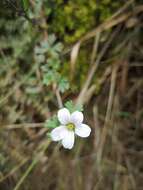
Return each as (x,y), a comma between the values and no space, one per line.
(72,19)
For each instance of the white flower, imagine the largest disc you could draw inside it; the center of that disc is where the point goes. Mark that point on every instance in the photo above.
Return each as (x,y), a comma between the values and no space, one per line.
(71,124)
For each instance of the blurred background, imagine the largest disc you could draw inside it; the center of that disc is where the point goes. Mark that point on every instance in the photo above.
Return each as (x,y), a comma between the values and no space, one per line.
(58,51)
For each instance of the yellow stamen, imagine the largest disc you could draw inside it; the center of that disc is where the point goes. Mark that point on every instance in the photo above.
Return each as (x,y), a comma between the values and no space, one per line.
(70,126)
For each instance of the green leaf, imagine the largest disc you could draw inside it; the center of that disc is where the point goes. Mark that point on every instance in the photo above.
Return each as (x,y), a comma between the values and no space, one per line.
(79,107)
(124,114)
(58,47)
(53,63)
(49,135)
(71,107)
(51,39)
(25,4)
(63,85)
(48,78)
(52,122)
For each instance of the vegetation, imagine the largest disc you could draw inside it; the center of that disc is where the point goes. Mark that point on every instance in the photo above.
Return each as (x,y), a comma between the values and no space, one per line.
(82,55)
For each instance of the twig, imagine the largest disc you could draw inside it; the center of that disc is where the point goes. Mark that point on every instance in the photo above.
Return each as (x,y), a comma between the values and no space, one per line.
(134,88)
(21,125)
(59,99)
(82,95)
(108,112)
(25,174)
(95,48)
(32,165)
(92,88)
(110,23)
(131,176)
(14,170)
(127,4)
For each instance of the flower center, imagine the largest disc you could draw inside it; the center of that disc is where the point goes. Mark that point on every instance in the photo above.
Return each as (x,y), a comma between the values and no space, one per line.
(70,126)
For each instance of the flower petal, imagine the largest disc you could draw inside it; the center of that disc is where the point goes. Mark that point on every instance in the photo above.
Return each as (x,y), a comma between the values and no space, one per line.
(58,133)
(64,116)
(77,117)
(83,130)
(68,140)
